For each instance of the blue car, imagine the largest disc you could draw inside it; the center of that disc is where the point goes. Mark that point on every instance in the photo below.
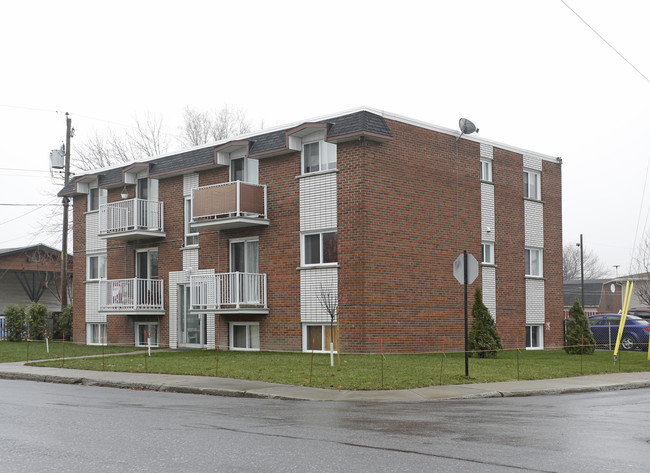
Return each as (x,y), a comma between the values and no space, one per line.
(605,329)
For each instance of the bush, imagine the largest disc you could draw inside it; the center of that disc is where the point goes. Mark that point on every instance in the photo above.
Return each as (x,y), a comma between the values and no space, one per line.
(16,322)
(36,320)
(484,340)
(577,327)
(62,324)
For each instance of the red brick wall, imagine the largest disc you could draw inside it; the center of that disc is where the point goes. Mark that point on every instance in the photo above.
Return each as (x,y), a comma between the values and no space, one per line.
(509,246)
(80,204)
(554,288)
(407,209)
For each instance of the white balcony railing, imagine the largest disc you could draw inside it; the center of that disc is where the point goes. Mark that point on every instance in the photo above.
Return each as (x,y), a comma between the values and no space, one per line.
(131,295)
(130,216)
(228,291)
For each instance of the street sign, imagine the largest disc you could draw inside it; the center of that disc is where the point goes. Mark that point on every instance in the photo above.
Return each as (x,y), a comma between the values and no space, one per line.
(472,269)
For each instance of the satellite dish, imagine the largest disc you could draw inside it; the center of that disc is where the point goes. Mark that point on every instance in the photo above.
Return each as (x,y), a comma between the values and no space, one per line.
(466,127)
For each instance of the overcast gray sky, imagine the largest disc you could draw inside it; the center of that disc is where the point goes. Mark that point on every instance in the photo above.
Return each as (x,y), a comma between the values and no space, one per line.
(528,73)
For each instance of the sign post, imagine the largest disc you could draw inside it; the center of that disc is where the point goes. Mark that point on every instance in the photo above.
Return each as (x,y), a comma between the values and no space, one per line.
(466,272)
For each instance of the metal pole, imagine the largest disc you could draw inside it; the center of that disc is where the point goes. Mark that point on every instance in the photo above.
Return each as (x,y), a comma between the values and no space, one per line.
(66,203)
(466,332)
(582,275)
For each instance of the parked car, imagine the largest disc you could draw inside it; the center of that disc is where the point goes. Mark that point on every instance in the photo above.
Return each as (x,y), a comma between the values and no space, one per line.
(642,312)
(636,332)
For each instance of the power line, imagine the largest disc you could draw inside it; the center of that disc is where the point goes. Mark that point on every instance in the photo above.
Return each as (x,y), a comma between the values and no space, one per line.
(606,42)
(28,205)
(26,213)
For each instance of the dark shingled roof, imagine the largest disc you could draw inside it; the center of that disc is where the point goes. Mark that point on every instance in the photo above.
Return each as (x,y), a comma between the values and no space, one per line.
(358,123)
(178,162)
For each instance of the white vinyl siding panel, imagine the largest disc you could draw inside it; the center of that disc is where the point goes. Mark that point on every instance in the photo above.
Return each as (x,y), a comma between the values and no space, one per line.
(534,224)
(318,202)
(313,284)
(535,306)
(489,285)
(94,244)
(92,303)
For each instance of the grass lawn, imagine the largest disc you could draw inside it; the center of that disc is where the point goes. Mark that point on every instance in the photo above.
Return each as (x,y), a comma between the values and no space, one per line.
(365,371)
(37,350)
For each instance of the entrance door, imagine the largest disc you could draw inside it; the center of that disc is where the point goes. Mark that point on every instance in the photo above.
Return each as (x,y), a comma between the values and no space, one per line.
(191,327)
(244,260)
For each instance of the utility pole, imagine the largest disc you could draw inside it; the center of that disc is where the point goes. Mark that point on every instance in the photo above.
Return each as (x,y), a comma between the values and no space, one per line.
(66,203)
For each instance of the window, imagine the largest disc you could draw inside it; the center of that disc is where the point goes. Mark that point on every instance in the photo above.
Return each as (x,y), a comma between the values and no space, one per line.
(318,337)
(319,248)
(96,334)
(534,337)
(96,197)
(245,336)
(318,156)
(191,234)
(146,334)
(245,170)
(532,188)
(533,262)
(488,252)
(486,170)
(96,267)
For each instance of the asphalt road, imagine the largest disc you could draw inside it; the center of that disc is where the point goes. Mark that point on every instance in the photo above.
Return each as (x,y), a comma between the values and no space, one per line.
(52,427)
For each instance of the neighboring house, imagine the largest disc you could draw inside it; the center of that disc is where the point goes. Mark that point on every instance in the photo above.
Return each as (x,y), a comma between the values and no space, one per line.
(616,287)
(237,242)
(599,297)
(32,274)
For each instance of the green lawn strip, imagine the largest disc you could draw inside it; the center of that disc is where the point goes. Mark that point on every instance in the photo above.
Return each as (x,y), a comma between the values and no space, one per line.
(37,350)
(363,372)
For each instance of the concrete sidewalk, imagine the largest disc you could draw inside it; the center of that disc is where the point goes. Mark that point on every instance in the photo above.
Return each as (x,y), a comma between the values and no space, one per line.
(260,389)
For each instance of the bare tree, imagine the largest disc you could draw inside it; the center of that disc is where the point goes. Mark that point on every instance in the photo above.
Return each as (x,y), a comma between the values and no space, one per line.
(200,127)
(145,139)
(593,267)
(329,299)
(641,266)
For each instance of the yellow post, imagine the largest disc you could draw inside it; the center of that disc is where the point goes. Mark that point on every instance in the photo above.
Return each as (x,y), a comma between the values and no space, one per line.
(626,306)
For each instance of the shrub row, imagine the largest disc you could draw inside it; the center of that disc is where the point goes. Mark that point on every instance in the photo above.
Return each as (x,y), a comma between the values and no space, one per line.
(33,322)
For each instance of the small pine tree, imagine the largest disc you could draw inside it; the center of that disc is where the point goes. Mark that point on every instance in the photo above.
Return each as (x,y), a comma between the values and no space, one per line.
(37,318)
(16,321)
(483,336)
(577,327)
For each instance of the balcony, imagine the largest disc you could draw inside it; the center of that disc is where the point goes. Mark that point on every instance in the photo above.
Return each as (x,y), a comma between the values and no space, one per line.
(133,219)
(132,296)
(229,205)
(229,293)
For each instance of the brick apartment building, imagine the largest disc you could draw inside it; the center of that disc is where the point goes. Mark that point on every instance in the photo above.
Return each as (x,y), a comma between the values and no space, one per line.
(239,242)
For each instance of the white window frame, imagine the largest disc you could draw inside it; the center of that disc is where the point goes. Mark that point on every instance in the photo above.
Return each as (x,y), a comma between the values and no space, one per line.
(251,169)
(532,184)
(102,334)
(327,159)
(100,257)
(540,336)
(94,201)
(191,234)
(303,254)
(530,271)
(249,337)
(306,343)
(486,170)
(154,343)
(487,252)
